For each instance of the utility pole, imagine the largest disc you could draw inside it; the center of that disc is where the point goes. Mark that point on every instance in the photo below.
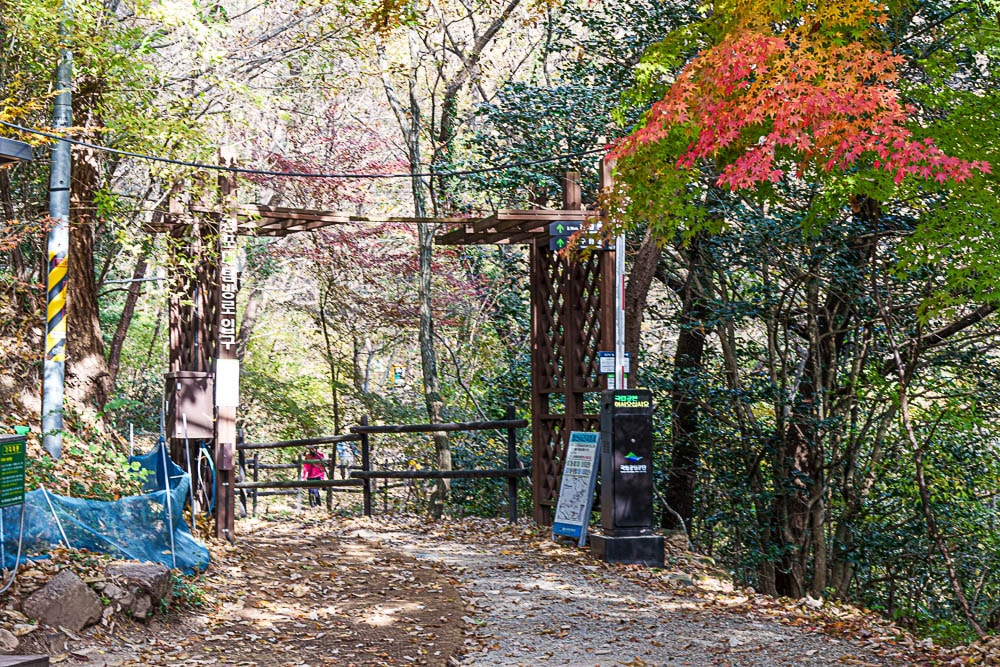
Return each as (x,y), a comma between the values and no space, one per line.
(54,367)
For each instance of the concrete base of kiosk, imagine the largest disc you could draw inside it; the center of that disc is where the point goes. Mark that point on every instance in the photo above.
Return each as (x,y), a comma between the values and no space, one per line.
(639,549)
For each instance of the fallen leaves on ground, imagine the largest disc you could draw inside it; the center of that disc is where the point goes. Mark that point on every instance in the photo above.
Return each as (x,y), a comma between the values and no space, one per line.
(696,576)
(324,591)
(287,595)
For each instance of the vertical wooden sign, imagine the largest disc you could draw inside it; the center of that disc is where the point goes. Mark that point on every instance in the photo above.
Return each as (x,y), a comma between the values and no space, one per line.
(227,366)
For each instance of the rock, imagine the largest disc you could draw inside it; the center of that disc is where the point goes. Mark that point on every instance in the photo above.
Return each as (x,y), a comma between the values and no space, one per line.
(65,600)
(8,642)
(680,579)
(676,540)
(142,607)
(55,642)
(118,595)
(139,588)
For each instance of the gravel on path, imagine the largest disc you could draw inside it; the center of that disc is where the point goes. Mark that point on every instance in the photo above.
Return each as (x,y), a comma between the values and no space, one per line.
(531,601)
(400,590)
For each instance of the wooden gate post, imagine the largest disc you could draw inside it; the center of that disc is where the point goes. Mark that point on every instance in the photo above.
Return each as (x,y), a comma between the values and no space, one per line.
(227,365)
(366,465)
(572,318)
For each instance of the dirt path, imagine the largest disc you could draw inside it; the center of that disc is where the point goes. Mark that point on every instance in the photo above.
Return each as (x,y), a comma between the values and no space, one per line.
(535,602)
(396,591)
(289,594)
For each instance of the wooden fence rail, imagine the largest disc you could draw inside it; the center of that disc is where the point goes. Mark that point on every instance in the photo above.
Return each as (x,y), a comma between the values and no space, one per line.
(440,474)
(362,478)
(300,484)
(304,442)
(431,428)
(514,468)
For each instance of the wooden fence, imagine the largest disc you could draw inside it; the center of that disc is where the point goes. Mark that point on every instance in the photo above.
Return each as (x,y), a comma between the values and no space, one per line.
(361,479)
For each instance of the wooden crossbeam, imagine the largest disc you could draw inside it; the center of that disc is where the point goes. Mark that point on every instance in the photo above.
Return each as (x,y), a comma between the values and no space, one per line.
(511,226)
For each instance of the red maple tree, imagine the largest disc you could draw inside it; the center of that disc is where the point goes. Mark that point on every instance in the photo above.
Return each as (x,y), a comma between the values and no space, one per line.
(764,100)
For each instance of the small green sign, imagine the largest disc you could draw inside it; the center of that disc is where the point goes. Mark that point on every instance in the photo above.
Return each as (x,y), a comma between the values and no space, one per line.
(12,460)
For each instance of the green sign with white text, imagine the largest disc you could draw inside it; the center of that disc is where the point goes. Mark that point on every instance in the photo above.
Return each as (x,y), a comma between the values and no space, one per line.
(12,459)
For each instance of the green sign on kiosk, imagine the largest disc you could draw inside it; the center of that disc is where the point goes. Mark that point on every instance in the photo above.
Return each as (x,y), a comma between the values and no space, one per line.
(12,459)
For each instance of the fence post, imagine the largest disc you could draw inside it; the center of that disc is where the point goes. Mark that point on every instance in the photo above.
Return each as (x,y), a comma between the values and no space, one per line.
(332,465)
(366,465)
(299,476)
(256,475)
(241,440)
(512,463)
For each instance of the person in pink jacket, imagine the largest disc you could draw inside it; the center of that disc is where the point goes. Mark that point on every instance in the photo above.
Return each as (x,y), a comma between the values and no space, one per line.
(314,468)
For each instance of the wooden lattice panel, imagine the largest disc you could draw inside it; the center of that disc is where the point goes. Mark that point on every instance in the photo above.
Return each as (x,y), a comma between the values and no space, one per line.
(590,329)
(548,470)
(548,325)
(193,281)
(570,324)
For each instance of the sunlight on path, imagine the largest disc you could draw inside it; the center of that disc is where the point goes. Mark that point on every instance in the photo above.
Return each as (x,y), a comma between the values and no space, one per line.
(533,602)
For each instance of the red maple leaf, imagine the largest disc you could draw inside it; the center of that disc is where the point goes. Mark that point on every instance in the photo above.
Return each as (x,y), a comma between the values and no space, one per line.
(794,96)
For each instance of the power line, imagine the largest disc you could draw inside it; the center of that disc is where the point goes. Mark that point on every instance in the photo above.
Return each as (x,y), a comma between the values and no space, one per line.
(296,174)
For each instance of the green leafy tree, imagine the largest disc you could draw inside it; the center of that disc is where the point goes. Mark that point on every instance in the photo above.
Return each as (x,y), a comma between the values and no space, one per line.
(801,114)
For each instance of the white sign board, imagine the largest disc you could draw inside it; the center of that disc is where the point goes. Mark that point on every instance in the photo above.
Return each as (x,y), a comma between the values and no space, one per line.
(227,383)
(607,362)
(576,493)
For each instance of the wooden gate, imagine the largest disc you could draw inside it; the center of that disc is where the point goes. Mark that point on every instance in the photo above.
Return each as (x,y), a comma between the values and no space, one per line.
(572,319)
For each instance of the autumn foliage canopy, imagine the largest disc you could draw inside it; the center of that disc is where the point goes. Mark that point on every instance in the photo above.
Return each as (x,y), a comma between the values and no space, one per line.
(810,93)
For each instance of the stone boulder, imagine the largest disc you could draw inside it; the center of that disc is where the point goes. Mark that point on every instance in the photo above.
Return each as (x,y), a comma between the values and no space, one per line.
(64,601)
(676,540)
(137,589)
(8,642)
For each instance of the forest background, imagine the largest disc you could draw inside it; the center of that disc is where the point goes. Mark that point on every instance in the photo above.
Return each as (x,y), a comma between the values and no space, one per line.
(806,190)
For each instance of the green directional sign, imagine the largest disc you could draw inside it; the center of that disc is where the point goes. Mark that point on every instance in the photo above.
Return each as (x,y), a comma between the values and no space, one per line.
(11,470)
(561,231)
(560,242)
(565,227)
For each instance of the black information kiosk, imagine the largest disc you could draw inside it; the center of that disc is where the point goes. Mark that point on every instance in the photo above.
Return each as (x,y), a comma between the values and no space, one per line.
(627,480)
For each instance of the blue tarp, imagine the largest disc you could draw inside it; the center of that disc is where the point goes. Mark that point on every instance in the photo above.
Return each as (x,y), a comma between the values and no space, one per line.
(134,527)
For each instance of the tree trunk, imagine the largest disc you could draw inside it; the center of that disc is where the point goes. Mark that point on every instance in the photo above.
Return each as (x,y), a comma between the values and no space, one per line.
(800,458)
(256,303)
(905,372)
(449,102)
(16,263)
(128,311)
(428,357)
(688,359)
(409,120)
(639,279)
(87,378)
(331,361)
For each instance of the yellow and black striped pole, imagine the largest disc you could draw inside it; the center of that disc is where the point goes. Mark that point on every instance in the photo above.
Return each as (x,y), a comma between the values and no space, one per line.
(54,366)
(55,330)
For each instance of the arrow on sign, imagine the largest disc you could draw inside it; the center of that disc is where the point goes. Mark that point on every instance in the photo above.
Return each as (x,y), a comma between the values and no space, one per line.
(565,228)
